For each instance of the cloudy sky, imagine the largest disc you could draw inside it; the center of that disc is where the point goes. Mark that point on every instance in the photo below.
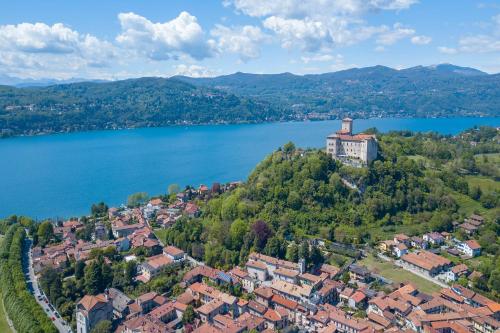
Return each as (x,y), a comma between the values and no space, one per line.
(115,39)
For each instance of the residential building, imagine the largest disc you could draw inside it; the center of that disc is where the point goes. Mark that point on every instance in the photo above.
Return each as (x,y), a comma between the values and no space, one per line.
(90,310)
(470,248)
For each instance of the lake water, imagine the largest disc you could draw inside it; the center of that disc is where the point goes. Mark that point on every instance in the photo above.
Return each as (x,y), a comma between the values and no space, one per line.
(62,175)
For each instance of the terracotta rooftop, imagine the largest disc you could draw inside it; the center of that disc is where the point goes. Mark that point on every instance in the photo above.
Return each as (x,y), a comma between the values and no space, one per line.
(89,302)
(173,251)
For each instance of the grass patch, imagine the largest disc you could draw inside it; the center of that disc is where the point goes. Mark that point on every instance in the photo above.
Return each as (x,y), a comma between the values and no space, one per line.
(467,206)
(486,184)
(397,274)
(161,234)
(4,326)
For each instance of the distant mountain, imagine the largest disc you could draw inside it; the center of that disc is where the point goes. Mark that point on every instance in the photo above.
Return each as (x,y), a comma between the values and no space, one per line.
(20,82)
(433,91)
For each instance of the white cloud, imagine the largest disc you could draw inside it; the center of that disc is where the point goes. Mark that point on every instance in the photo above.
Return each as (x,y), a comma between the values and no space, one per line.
(305,8)
(488,42)
(479,44)
(309,33)
(395,34)
(447,50)
(39,37)
(244,41)
(320,58)
(161,41)
(421,40)
(57,51)
(193,71)
(314,25)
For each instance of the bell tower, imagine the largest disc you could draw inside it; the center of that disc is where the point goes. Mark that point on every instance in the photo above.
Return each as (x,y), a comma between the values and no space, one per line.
(347,126)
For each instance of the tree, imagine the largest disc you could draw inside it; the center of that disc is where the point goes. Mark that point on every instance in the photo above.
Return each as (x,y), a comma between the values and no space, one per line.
(104,326)
(463,281)
(79,269)
(237,232)
(99,209)
(475,192)
(304,251)
(45,233)
(130,270)
(494,281)
(189,315)
(292,253)
(346,277)
(262,232)
(93,278)
(489,200)
(137,199)
(288,148)
(316,257)
(173,189)
(276,247)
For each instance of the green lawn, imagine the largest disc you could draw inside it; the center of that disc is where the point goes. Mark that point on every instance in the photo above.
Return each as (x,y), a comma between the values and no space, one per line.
(484,183)
(397,274)
(4,327)
(467,206)
(160,234)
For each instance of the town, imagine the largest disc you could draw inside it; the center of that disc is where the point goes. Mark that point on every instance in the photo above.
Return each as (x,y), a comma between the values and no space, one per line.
(267,293)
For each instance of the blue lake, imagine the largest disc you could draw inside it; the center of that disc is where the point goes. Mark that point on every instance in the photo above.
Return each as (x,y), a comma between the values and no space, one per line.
(62,175)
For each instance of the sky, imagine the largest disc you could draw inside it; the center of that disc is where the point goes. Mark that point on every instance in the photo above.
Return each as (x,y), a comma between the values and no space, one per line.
(118,39)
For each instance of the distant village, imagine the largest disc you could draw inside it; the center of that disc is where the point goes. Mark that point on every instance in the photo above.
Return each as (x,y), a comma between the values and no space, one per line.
(277,295)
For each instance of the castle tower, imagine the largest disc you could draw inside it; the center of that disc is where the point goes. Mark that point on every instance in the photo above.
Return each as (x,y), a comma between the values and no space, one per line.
(347,126)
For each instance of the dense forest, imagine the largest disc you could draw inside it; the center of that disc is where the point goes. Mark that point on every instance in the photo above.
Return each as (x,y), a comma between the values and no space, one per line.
(440,91)
(419,183)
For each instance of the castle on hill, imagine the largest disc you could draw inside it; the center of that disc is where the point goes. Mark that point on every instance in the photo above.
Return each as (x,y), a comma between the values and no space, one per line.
(353,149)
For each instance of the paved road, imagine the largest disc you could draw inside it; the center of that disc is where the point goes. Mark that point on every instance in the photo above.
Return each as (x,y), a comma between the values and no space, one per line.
(32,282)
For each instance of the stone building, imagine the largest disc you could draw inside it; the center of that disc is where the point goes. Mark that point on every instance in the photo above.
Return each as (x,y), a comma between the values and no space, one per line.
(92,309)
(354,149)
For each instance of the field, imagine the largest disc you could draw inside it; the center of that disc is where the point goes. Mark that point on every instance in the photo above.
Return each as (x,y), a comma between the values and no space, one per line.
(4,327)
(468,206)
(484,183)
(396,274)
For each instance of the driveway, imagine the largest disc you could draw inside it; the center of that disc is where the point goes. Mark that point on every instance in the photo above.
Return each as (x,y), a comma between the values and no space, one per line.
(33,287)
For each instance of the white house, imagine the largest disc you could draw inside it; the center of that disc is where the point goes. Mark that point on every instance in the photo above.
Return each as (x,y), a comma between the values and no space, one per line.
(400,250)
(257,270)
(470,248)
(456,272)
(435,238)
(174,253)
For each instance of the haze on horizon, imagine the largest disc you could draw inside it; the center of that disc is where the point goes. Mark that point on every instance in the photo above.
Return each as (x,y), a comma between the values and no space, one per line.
(123,39)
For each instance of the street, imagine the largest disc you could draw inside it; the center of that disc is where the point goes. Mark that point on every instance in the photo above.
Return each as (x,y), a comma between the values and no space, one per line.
(33,287)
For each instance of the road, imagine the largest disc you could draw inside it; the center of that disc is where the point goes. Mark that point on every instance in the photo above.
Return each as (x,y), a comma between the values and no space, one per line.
(32,282)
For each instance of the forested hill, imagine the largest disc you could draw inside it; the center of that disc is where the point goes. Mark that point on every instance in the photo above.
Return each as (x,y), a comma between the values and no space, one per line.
(443,91)
(141,102)
(439,91)
(419,183)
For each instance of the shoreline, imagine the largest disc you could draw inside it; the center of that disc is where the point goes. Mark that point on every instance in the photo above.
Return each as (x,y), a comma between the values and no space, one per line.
(194,125)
